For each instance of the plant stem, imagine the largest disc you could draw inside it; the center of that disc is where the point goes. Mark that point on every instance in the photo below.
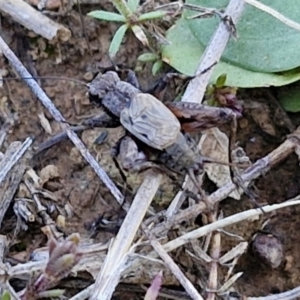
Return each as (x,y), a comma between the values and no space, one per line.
(122,7)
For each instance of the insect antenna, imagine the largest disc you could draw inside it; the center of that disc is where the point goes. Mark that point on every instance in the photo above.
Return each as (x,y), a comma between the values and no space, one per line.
(209,160)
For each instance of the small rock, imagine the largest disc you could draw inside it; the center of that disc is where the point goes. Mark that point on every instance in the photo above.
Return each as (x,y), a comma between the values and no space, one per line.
(269,248)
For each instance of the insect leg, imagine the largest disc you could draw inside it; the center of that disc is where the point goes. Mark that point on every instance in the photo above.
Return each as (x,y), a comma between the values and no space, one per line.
(201,191)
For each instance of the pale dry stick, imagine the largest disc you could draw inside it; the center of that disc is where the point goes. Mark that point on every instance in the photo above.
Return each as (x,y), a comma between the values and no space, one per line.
(107,278)
(4,278)
(111,273)
(260,167)
(15,173)
(207,229)
(212,283)
(274,13)
(15,151)
(188,286)
(92,260)
(41,95)
(34,20)
(179,198)
(212,54)
(197,86)
(71,2)
(3,245)
(195,234)
(93,256)
(289,295)
(84,294)
(10,186)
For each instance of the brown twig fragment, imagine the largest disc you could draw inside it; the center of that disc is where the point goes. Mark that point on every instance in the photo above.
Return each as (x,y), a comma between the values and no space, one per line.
(215,252)
(34,20)
(41,95)
(11,173)
(15,151)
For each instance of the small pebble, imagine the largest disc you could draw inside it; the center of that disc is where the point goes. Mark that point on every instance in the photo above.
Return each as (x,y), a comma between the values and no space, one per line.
(269,248)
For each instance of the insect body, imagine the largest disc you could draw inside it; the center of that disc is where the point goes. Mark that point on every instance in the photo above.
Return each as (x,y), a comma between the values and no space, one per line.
(147,119)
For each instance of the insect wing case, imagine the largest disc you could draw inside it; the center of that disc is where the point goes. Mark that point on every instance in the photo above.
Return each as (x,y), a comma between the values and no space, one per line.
(150,121)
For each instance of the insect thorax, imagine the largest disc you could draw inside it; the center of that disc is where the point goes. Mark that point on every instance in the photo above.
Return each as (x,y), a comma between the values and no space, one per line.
(183,156)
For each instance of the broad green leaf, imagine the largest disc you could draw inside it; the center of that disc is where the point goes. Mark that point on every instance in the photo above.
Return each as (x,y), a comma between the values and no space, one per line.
(107,16)
(264,43)
(148,57)
(117,40)
(133,4)
(185,51)
(289,97)
(152,15)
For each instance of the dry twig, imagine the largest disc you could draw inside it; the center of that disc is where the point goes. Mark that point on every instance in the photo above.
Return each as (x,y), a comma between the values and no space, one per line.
(289,295)
(195,234)
(212,54)
(108,279)
(259,168)
(15,151)
(32,19)
(185,282)
(274,13)
(11,173)
(93,254)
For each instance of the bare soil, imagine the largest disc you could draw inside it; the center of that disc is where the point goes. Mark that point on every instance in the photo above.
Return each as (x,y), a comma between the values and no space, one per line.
(81,58)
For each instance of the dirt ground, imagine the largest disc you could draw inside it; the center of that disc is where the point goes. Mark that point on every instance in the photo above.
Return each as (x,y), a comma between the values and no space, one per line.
(78,185)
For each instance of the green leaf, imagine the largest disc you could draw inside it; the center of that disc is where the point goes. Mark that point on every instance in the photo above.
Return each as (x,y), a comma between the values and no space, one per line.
(184,53)
(117,40)
(6,296)
(140,34)
(107,16)
(221,81)
(264,43)
(157,67)
(148,57)
(289,97)
(152,15)
(133,5)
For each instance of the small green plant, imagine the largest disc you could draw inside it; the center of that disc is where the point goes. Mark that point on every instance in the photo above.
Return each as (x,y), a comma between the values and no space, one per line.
(152,58)
(219,94)
(131,19)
